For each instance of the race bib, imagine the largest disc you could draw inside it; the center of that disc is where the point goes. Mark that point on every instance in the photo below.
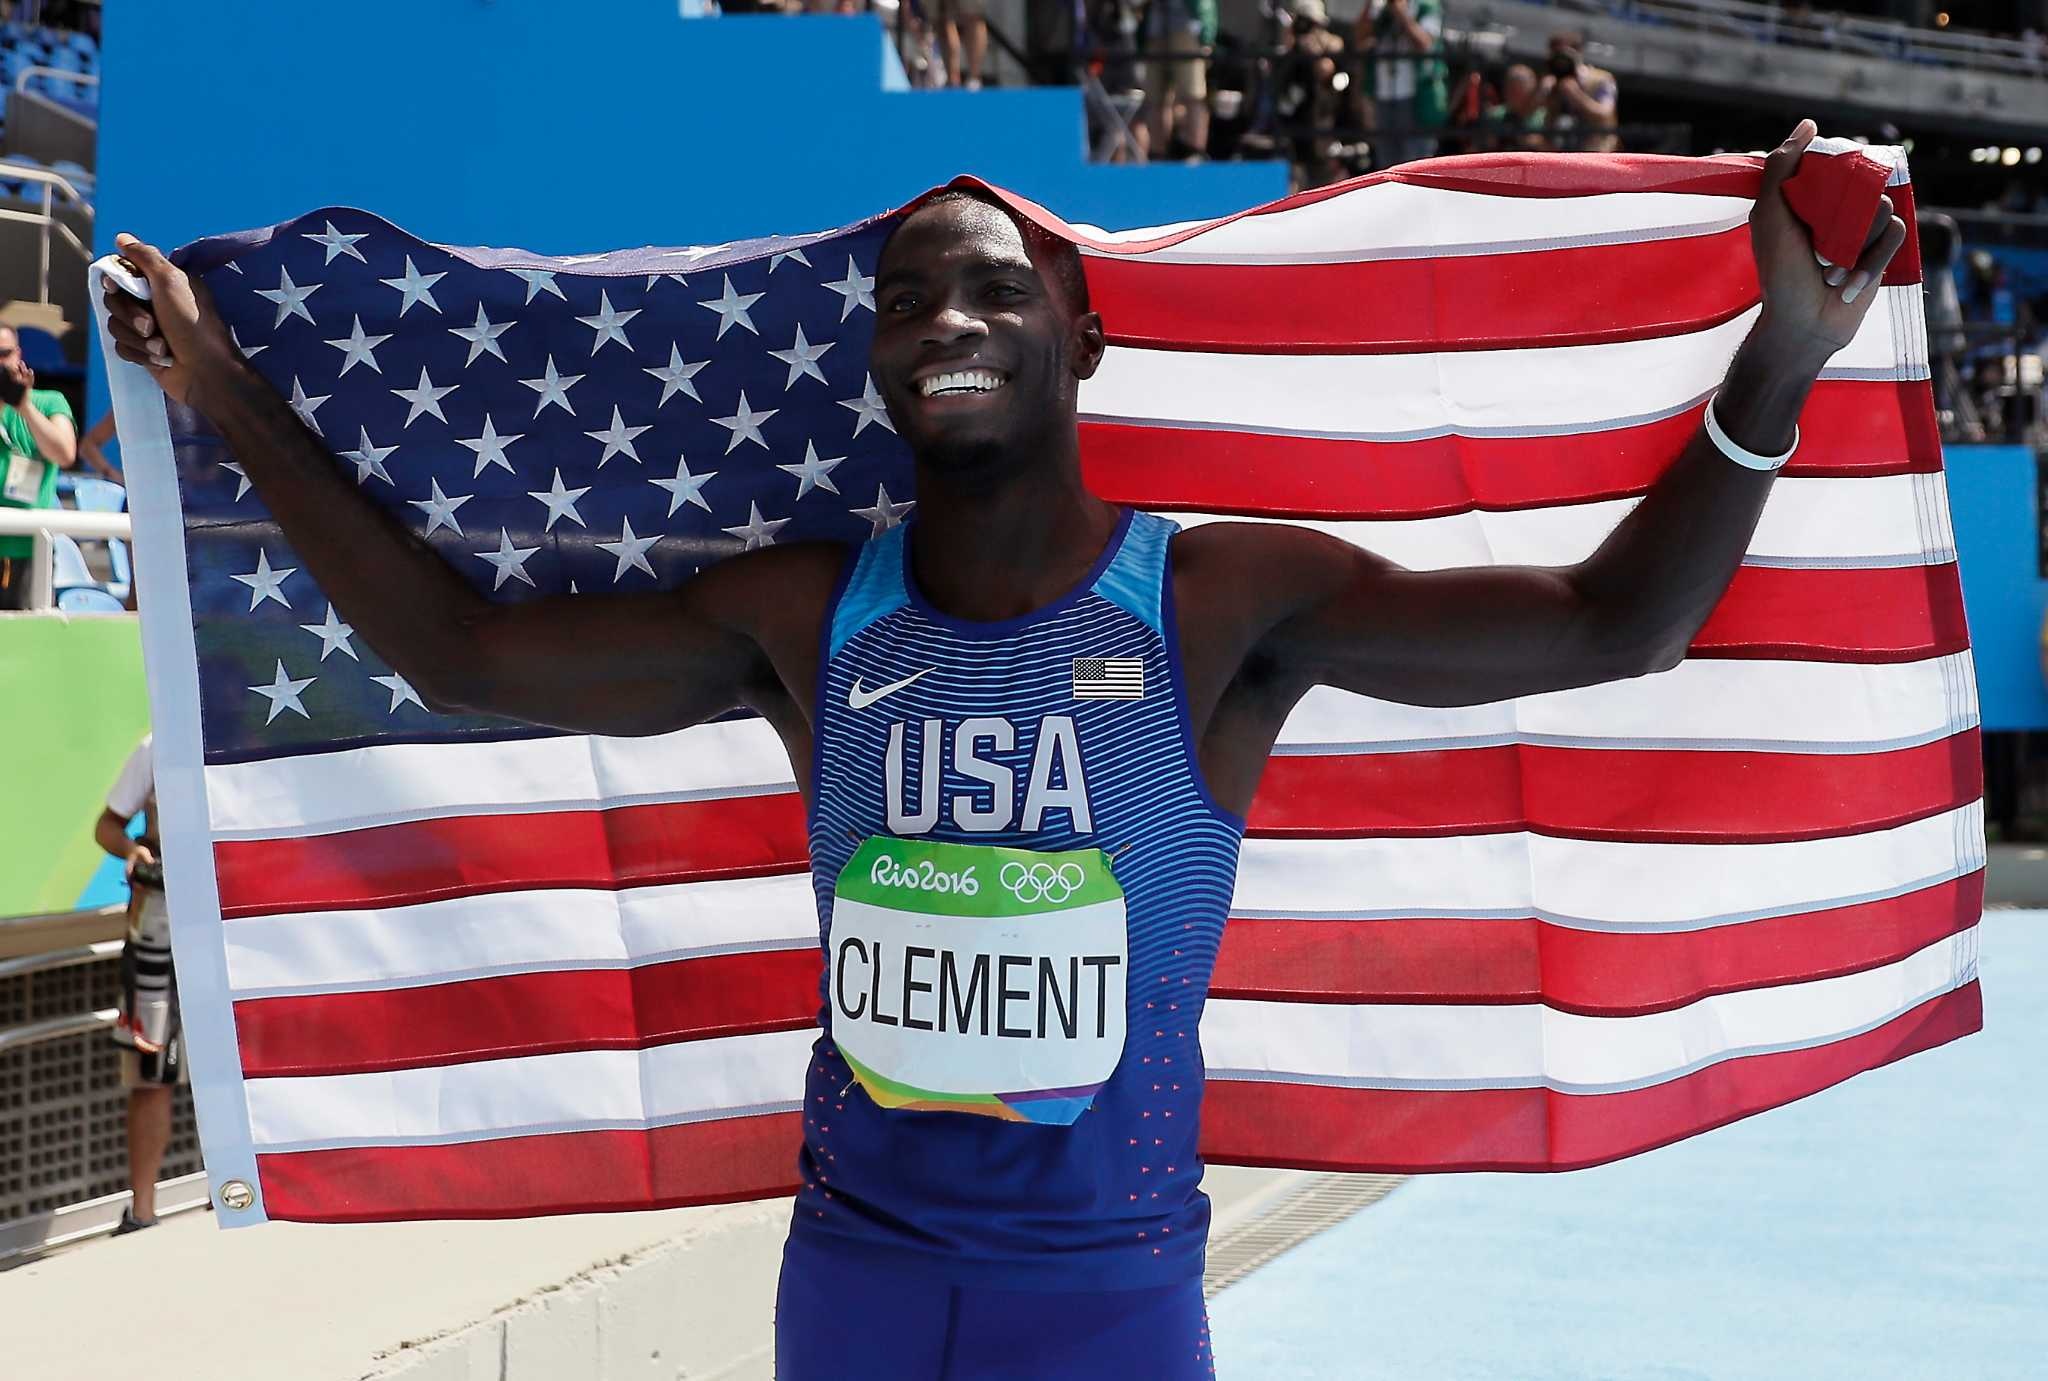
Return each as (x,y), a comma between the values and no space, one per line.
(966,978)
(24,484)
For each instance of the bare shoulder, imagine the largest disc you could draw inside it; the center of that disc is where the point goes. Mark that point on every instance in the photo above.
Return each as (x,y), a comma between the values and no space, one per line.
(772,593)
(1257,574)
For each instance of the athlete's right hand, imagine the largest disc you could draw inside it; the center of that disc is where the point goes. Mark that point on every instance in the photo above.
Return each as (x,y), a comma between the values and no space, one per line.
(177,333)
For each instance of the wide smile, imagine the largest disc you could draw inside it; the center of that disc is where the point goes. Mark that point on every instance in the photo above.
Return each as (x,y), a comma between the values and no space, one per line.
(961,388)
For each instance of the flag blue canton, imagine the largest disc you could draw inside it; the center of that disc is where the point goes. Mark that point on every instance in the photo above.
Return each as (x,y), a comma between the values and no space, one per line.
(592,424)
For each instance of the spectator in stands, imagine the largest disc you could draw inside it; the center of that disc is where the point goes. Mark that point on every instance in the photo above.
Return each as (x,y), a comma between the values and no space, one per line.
(38,437)
(1410,93)
(1178,36)
(968,19)
(1299,101)
(1515,121)
(148,1031)
(1579,99)
(91,450)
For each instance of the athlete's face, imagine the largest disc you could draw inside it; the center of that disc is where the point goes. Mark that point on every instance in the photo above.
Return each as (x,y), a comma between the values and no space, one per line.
(957,293)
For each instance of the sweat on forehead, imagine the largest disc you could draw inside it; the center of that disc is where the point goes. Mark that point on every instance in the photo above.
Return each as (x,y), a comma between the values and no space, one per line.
(1057,259)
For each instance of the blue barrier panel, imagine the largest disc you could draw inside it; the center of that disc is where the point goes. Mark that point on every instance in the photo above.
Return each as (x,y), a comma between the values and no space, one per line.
(1991,494)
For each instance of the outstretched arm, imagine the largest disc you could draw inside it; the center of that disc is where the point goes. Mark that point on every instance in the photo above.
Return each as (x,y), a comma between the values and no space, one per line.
(600,664)
(1456,637)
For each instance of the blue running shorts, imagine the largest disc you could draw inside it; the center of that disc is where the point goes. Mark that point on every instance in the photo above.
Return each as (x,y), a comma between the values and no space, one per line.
(840,1318)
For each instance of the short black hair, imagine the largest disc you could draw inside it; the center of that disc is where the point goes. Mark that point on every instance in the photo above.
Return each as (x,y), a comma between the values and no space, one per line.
(1061,255)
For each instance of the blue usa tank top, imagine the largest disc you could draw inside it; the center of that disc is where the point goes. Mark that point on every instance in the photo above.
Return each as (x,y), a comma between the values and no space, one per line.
(1031,880)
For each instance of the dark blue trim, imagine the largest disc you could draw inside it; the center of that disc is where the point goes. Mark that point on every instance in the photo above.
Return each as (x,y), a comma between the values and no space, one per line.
(1002,628)
(1170,635)
(818,696)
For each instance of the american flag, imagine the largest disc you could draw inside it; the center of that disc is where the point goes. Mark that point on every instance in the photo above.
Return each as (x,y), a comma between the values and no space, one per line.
(447,966)
(1109,678)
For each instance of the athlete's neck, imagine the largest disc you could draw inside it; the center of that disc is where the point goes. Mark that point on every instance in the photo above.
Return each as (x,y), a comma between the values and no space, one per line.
(993,552)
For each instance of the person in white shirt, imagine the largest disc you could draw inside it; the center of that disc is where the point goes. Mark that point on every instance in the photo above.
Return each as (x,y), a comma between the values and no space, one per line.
(148,1031)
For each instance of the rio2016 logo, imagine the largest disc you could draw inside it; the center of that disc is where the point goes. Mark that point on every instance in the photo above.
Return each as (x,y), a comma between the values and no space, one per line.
(1042,882)
(923,876)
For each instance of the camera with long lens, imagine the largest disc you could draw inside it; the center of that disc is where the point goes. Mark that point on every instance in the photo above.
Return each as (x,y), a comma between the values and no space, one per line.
(1564,63)
(148,873)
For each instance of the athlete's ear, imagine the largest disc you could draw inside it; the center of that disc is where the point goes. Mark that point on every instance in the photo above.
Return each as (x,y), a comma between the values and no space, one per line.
(1088,344)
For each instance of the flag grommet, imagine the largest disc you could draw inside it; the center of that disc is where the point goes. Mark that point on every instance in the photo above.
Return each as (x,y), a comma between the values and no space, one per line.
(237,1195)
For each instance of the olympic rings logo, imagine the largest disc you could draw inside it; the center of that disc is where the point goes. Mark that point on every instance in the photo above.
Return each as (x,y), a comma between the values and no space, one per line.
(1042,882)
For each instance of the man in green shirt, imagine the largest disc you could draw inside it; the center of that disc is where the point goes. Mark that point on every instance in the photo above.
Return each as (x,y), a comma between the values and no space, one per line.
(38,437)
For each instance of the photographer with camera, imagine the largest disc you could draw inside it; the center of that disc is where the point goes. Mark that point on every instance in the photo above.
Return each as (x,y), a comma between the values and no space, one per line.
(148,1031)
(1408,77)
(1579,98)
(38,437)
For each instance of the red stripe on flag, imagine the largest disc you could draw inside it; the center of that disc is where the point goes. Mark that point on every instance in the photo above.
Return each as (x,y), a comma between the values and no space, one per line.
(1614,794)
(1633,291)
(468,855)
(1591,793)
(716,1162)
(1593,973)
(540,1013)
(1881,614)
(1849,427)
(1409,1131)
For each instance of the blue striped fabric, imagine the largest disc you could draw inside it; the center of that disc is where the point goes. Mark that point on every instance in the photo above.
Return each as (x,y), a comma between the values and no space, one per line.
(1112,1200)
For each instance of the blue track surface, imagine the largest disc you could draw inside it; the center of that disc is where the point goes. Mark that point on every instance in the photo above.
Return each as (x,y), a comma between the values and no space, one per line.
(1895,1226)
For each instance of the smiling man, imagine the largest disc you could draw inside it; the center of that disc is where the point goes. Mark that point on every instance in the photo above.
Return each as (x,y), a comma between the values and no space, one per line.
(1028,726)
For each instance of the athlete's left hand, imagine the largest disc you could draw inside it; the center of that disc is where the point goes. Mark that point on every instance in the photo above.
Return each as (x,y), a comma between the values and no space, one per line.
(1810,307)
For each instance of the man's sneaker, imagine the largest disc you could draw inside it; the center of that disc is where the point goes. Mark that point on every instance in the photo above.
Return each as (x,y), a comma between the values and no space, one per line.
(130,1223)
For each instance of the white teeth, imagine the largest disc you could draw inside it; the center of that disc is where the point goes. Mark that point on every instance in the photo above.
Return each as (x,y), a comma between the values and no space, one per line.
(962,381)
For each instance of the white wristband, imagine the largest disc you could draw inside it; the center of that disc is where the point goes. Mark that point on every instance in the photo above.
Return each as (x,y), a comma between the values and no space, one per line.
(1740,456)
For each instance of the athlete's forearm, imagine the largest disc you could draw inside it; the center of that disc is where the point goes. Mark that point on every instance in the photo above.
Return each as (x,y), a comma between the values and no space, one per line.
(409,605)
(1666,565)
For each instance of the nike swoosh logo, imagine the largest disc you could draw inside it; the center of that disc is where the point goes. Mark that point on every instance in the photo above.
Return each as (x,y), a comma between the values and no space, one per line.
(858,699)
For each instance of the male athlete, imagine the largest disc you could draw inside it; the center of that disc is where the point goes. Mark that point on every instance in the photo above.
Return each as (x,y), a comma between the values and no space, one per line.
(1028,726)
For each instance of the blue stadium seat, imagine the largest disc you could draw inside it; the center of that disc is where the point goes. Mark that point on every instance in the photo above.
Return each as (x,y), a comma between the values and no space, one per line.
(45,356)
(96,495)
(68,563)
(89,599)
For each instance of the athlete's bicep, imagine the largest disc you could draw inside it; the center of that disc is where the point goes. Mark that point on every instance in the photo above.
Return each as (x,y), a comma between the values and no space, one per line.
(1355,620)
(640,663)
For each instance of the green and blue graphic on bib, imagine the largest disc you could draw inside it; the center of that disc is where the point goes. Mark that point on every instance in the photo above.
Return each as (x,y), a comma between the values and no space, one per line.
(968,978)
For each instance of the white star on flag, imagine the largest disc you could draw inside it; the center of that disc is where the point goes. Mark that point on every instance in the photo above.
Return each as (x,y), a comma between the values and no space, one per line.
(813,473)
(675,376)
(802,358)
(745,424)
(305,407)
(333,635)
(654,278)
(337,244)
(775,260)
(369,459)
(359,348)
(490,447)
(509,561)
(289,297)
(283,694)
(758,531)
(885,515)
(265,583)
(414,287)
(540,281)
(732,307)
(553,388)
(631,551)
(440,510)
(234,467)
(248,352)
(617,439)
(686,487)
(401,691)
(855,290)
(610,325)
(561,502)
(482,336)
(425,398)
(869,407)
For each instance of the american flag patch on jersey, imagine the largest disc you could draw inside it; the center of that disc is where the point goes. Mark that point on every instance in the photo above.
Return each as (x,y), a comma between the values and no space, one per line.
(1109,678)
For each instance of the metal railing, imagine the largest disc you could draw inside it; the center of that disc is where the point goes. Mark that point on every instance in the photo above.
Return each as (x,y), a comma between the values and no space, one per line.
(27,74)
(1846,33)
(63,1163)
(51,185)
(41,524)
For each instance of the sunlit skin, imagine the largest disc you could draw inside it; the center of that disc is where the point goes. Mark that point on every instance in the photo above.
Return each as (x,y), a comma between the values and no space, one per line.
(1004,524)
